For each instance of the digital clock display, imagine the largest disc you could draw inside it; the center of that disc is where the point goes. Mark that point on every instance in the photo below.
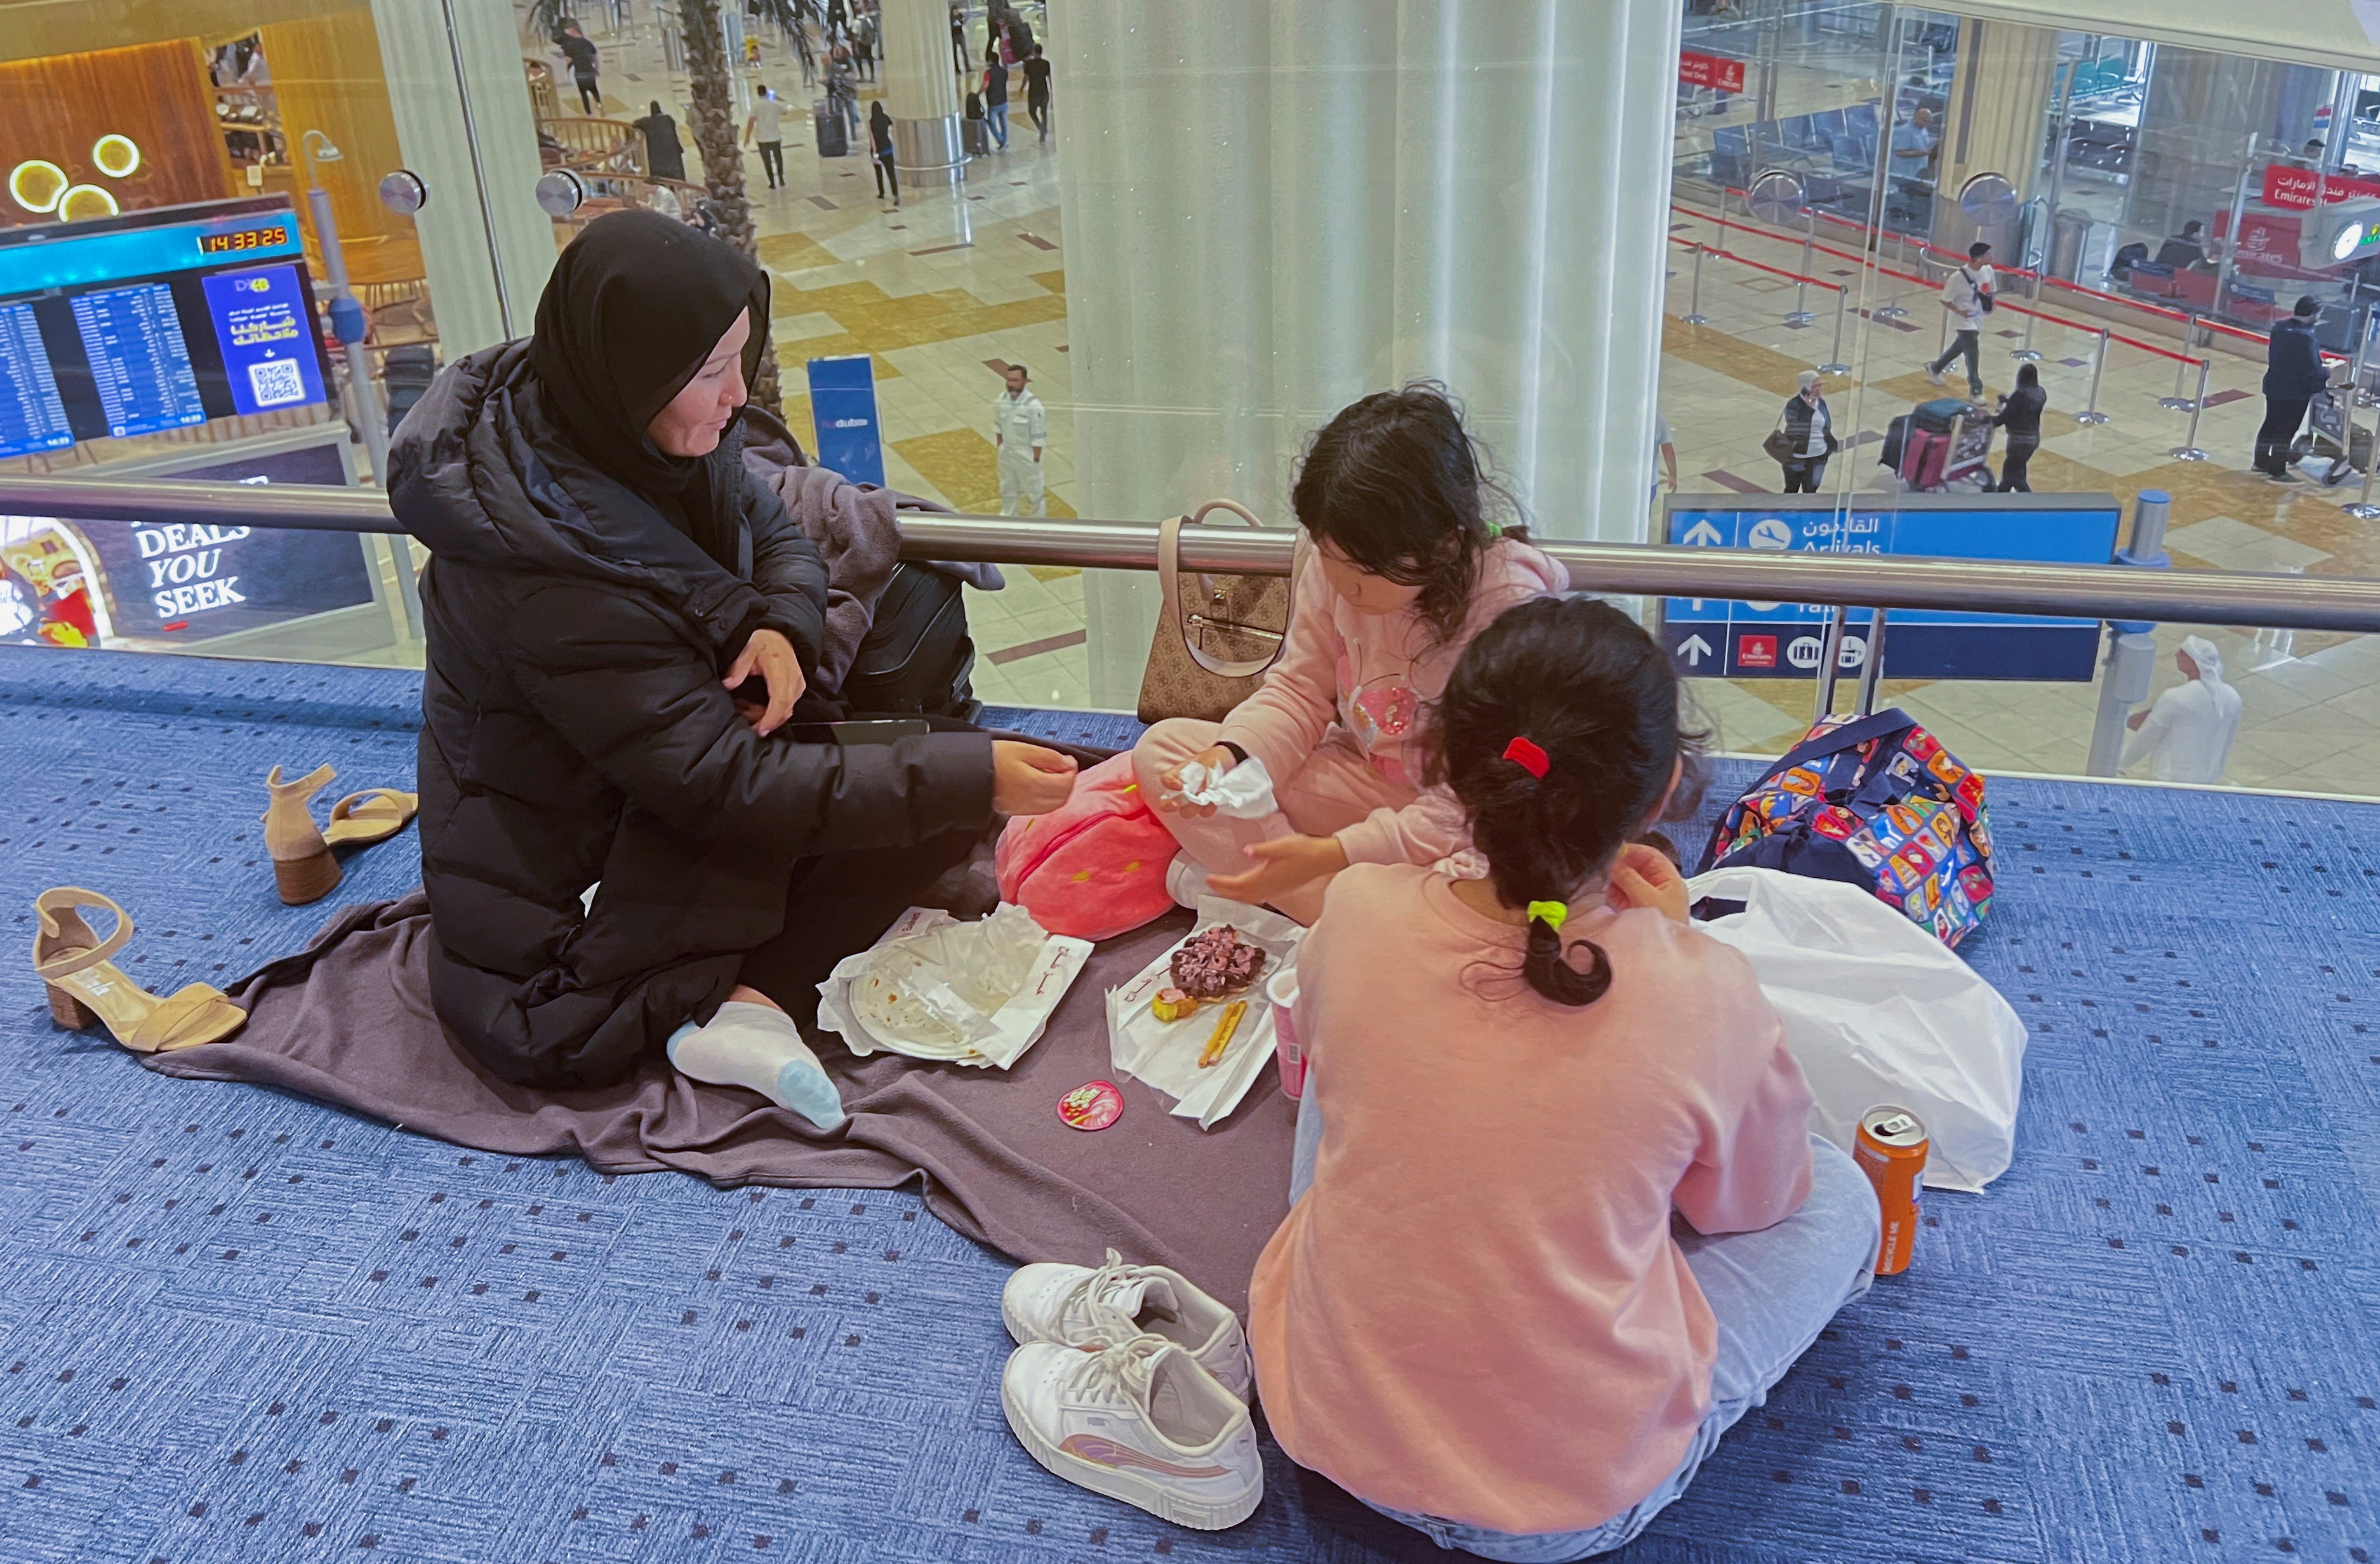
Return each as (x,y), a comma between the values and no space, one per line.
(246,240)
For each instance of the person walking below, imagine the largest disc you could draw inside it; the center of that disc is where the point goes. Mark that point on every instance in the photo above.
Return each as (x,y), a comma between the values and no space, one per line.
(842,92)
(579,50)
(2294,373)
(1018,429)
(2189,733)
(1809,436)
(1037,90)
(664,158)
(768,121)
(863,45)
(995,96)
(1967,296)
(879,142)
(2020,414)
(958,36)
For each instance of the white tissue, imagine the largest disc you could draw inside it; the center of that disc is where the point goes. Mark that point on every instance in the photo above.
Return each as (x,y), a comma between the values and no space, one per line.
(1244,792)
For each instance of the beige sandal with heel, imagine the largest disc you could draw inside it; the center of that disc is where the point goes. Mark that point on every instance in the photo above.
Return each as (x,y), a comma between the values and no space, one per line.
(84,986)
(303,865)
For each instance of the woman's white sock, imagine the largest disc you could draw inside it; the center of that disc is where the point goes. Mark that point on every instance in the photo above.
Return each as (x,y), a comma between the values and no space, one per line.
(759,1049)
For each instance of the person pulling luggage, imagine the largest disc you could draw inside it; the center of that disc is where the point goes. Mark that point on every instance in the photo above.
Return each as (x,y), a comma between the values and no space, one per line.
(2020,414)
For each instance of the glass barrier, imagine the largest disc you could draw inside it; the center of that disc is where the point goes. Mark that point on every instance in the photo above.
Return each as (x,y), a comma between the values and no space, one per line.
(1826,184)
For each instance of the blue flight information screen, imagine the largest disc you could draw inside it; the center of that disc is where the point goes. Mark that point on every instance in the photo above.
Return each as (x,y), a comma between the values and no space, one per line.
(1774,640)
(154,321)
(32,416)
(140,362)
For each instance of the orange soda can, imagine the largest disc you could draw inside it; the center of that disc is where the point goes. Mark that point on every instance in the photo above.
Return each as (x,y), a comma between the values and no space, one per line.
(1891,1151)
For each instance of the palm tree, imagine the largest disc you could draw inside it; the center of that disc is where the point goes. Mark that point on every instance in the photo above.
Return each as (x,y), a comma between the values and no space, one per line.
(716,131)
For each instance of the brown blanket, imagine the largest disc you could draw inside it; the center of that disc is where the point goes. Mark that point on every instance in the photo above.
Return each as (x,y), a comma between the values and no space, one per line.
(348,1021)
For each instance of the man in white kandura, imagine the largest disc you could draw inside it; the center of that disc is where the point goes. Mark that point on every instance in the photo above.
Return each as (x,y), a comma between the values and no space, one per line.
(2189,732)
(1019,429)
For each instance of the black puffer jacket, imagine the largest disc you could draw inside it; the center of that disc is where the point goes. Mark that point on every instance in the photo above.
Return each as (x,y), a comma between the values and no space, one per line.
(575,730)
(2293,365)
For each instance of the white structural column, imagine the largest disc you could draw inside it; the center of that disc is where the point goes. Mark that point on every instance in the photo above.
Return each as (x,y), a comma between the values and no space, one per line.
(922,92)
(1354,194)
(464,125)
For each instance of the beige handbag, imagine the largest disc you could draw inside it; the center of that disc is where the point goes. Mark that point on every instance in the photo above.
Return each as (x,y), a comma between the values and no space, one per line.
(1216,634)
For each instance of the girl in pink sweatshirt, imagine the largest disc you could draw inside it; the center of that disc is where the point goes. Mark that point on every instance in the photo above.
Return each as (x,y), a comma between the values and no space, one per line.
(1402,569)
(1558,1220)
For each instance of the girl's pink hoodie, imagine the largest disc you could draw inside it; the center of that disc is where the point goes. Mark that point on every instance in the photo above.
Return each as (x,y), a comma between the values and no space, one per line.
(1368,677)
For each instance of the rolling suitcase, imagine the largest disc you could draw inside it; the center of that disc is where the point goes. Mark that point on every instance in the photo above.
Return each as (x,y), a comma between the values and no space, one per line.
(1896,439)
(1923,456)
(1935,416)
(832,140)
(916,656)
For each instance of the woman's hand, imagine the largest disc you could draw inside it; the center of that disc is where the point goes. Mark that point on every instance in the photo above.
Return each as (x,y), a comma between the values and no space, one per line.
(1028,778)
(1282,865)
(769,654)
(1216,758)
(1645,878)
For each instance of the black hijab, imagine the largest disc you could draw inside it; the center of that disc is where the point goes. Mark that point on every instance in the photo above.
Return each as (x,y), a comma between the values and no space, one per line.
(634,307)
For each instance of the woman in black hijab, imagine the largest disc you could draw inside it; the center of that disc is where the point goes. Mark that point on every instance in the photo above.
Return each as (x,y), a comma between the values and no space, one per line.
(619,618)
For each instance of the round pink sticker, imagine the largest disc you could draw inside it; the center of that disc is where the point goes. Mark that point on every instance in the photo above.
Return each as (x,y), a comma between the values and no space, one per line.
(1092,1105)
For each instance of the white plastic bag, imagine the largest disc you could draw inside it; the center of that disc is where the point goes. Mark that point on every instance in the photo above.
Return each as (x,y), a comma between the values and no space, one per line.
(1165,1053)
(974,993)
(1878,1010)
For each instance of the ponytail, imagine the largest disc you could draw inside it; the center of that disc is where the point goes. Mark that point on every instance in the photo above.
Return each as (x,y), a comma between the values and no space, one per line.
(1547,964)
(1558,731)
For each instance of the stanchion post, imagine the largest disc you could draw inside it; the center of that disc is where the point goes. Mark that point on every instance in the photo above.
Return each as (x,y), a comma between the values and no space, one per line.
(1830,652)
(2188,450)
(2091,414)
(2363,509)
(1834,364)
(1891,309)
(1694,316)
(2178,403)
(1800,315)
(2031,316)
(1872,665)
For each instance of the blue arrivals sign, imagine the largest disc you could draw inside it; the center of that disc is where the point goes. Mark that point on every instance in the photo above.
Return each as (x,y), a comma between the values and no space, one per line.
(843,418)
(1761,640)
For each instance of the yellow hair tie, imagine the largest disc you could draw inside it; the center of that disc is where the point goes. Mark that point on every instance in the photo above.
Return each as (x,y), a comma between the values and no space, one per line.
(1552,914)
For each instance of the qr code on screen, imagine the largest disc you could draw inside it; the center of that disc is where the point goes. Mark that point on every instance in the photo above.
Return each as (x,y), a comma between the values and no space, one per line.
(276,380)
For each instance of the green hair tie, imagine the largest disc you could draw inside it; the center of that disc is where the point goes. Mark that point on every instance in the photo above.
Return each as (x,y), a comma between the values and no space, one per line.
(1551,913)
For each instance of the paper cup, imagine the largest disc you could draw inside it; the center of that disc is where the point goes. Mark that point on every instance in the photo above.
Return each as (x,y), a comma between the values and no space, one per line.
(1281,990)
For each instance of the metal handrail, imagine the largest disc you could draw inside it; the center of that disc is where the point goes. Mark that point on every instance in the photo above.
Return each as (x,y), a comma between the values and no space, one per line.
(2193,597)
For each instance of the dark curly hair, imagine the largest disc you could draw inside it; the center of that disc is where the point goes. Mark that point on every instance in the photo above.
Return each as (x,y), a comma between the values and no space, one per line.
(1584,684)
(1396,485)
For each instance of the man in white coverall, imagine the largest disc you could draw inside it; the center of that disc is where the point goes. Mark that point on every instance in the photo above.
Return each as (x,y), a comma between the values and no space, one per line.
(1019,429)
(2189,732)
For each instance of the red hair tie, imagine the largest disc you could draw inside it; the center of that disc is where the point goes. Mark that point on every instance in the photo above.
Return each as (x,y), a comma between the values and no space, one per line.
(1526,754)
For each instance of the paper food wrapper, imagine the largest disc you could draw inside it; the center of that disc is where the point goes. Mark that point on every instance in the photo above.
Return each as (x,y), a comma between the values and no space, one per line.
(1244,792)
(934,988)
(1165,1053)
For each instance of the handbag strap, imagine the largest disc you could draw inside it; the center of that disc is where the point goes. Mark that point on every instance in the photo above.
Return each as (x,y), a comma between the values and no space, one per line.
(1850,735)
(1168,575)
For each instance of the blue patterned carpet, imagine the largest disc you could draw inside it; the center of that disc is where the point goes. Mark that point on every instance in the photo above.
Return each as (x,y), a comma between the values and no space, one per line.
(234,1326)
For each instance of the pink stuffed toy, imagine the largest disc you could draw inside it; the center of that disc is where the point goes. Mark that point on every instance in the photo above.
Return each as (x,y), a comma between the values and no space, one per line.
(1094,868)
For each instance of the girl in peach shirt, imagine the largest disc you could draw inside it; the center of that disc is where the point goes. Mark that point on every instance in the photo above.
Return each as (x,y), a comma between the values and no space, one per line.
(1566,1222)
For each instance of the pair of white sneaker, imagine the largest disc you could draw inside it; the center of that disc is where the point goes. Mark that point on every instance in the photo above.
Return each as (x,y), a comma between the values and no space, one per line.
(1130,1382)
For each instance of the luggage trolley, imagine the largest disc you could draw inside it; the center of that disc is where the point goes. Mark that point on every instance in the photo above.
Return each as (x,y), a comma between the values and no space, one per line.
(1943,443)
(2333,449)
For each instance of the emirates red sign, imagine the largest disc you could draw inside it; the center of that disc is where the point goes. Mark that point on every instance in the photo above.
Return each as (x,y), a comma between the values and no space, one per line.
(1710,70)
(2291,188)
